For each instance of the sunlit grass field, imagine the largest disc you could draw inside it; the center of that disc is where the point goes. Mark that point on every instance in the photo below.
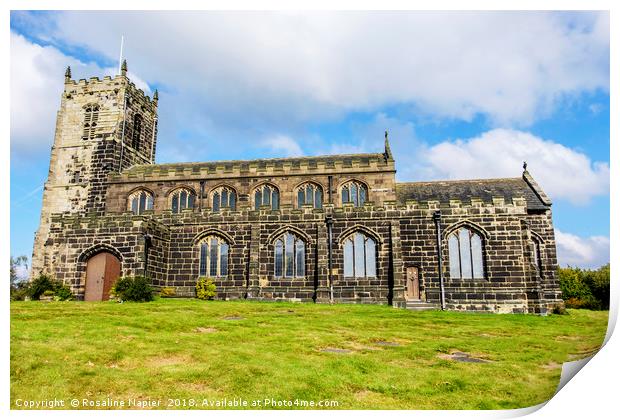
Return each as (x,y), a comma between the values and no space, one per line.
(361,356)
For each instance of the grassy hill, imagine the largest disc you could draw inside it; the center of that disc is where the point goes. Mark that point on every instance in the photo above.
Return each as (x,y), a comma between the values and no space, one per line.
(194,354)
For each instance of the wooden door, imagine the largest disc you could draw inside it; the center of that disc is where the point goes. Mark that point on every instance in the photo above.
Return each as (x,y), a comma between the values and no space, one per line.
(413,283)
(102,271)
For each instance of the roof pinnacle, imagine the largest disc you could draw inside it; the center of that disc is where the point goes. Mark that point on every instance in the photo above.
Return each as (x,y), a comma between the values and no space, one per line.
(388,151)
(124,68)
(68,74)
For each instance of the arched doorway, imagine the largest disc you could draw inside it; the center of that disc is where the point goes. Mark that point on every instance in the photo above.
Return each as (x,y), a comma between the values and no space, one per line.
(102,270)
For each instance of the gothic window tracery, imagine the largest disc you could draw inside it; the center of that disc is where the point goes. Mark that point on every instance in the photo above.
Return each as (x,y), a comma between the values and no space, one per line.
(266,195)
(310,193)
(182,198)
(213,257)
(360,258)
(91,117)
(465,254)
(224,197)
(290,256)
(354,192)
(140,201)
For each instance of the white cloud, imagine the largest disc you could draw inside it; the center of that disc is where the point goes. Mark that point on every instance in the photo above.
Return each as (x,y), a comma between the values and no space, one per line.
(511,66)
(562,172)
(37,80)
(284,145)
(583,252)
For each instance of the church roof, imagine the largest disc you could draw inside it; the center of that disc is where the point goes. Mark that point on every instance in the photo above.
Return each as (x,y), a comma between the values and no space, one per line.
(484,189)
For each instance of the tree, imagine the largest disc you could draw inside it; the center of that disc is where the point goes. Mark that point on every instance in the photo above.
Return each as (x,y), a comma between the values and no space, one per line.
(19,286)
(22,260)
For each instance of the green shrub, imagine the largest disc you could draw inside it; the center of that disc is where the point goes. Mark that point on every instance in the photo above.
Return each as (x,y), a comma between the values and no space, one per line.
(39,285)
(46,285)
(205,288)
(167,292)
(585,289)
(559,310)
(63,292)
(20,291)
(133,288)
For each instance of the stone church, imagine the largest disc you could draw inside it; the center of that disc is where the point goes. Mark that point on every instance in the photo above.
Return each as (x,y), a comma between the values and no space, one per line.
(335,228)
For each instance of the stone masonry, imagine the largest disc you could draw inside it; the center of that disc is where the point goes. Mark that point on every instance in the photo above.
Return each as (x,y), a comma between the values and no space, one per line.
(87,210)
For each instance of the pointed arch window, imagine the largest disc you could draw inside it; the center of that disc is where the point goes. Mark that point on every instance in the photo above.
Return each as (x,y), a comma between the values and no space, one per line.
(137,131)
(140,201)
(289,256)
(182,198)
(214,253)
(224,197)
(267,195)
(310,194)
(537,256)
(354,192)
(91,117)
(360,256)
(465,248)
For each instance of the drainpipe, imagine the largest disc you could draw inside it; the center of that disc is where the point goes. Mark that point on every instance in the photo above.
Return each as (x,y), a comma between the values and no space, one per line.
(437,219)
(148,240)
(330,179)
(329,221)
(202,193)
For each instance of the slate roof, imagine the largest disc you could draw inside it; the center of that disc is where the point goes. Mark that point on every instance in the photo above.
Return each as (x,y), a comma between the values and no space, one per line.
(484,189)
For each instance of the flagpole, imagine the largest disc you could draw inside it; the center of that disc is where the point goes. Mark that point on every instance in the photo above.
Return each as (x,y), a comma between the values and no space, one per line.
(120,58)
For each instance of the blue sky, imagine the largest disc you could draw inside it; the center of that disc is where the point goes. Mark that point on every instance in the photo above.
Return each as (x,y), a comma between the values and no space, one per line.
(463,95)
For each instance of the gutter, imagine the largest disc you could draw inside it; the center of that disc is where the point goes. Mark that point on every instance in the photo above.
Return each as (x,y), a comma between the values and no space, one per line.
(437,219)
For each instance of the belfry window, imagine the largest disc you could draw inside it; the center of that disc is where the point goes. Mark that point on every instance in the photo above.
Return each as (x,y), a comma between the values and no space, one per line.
(213,257)
(310,194)
(465,254)
(182,199)
(91,116)
(290,256)
(140,201)
(267,195)
(224,197)
(137,131)
(360,258)
(354,192)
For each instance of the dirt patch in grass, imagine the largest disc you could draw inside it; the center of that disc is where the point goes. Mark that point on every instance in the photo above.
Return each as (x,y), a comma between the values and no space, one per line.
(232,318)
(206,330)
(569,338)
(387,344)
(335,350)
(551,366)
(171,360)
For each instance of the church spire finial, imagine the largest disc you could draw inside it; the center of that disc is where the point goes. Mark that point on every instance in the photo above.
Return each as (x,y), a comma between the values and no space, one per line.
(124,68)
(68,74)
(388,151)
(156,95)
(524,166)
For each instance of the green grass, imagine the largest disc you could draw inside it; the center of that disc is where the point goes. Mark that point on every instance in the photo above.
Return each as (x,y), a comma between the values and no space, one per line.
(157,350)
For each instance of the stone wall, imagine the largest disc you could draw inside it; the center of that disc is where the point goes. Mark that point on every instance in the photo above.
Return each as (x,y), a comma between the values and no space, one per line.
(406,236)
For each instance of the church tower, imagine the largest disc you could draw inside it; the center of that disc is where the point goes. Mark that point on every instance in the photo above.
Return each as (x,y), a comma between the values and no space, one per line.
(103,126)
